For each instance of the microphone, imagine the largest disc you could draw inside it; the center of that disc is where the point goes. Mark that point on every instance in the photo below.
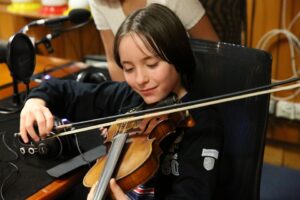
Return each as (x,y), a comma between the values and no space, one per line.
(76,16)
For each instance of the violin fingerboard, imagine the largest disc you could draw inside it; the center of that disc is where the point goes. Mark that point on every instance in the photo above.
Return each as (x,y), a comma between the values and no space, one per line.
(113,156)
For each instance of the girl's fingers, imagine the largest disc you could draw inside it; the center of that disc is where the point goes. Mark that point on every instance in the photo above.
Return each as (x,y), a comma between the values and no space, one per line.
(117,191)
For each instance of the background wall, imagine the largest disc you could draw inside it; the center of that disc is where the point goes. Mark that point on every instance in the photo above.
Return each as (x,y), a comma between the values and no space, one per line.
(274,15)
(269,16)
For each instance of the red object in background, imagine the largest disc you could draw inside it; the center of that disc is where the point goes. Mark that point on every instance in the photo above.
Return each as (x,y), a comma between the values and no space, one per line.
(53,10)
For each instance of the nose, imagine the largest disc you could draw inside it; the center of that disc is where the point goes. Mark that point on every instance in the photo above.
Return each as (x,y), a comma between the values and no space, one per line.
(142,76)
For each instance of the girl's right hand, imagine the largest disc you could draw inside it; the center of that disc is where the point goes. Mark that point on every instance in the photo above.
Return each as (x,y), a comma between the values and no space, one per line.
(34,113)
(103,132)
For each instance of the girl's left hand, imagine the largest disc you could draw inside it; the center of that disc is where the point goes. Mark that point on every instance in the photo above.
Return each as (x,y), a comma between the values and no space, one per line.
(115,189)
(92,192)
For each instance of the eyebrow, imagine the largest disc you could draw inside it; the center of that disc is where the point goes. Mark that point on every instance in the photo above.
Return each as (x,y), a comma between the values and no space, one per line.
(145,58)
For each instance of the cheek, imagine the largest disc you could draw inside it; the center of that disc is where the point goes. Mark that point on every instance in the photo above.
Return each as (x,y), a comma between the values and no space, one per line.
(172,80)
(168,75)
(129,79)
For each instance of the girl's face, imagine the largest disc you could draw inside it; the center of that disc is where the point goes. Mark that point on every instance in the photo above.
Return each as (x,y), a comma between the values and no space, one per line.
(150,76)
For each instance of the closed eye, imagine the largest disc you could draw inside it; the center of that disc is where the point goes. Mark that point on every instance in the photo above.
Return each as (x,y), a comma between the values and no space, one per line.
(152,65)
(127,69)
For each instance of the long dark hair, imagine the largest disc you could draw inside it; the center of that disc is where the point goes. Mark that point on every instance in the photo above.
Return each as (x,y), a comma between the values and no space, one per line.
(162,33)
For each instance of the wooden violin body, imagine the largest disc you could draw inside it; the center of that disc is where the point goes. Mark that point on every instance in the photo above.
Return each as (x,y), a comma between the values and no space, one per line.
(140,155)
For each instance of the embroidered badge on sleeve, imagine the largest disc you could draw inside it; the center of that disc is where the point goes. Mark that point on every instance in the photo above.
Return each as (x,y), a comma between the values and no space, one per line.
(210,155)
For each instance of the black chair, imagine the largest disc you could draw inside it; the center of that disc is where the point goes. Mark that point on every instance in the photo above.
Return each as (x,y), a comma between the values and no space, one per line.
(223,68)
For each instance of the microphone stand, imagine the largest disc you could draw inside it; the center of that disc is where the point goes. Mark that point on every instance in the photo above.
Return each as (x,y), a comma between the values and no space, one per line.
(16,100)
(46,40)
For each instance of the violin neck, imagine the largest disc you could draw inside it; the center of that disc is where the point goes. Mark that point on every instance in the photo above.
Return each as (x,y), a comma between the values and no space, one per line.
(110,165)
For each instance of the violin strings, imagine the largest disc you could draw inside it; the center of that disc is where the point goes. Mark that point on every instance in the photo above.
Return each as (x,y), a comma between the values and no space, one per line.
(125,127)
(184,108)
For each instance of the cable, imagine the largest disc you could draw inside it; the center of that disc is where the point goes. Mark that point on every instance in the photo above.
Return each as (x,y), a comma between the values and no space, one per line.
(2,187)
(294,20)
(8,148)
(15,167)
(8,111)
(65,121)
(80,152)
(294,45)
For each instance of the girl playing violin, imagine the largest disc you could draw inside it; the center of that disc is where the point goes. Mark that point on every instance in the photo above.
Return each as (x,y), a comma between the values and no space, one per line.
(153,50)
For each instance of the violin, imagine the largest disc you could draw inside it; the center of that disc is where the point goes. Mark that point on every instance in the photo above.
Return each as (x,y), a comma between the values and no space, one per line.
(134,152)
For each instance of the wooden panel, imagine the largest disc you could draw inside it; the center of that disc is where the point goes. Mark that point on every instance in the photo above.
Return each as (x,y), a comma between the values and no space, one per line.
(273,155)
(282,155)
(284,130)
(267,16)
(9,24)
(72,45)
(292,158)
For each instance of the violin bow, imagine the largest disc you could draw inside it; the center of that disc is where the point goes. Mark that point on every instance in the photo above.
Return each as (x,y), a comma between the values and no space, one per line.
(154,112)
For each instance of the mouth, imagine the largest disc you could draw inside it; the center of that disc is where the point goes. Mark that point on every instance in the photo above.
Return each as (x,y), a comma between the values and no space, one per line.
(147,92)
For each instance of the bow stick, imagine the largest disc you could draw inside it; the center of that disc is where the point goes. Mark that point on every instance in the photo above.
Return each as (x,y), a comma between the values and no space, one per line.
(128,117)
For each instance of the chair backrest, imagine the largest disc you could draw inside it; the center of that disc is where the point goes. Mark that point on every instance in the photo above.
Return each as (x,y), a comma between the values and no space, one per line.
(223,68)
